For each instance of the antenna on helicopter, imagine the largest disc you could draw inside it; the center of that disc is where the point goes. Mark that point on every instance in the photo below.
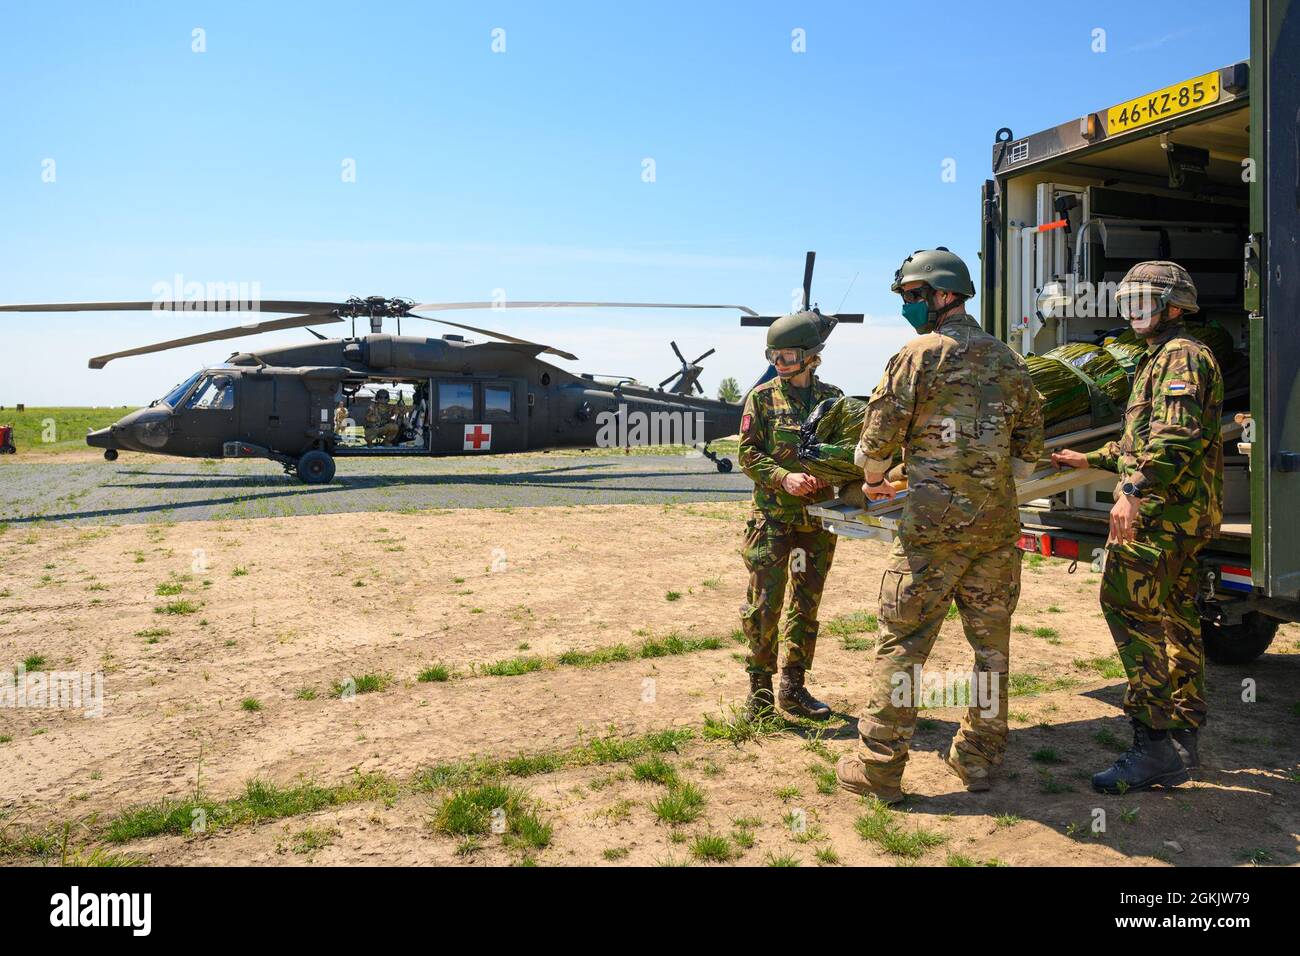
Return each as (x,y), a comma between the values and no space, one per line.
(828,321)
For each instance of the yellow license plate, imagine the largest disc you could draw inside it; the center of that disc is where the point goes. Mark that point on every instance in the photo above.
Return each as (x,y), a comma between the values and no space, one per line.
(1172,100)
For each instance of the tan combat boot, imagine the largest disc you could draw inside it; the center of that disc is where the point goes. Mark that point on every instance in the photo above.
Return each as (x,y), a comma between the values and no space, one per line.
(976,779)
(852,775)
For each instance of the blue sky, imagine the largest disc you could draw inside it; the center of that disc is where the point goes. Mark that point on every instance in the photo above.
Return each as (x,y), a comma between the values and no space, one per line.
(522,170)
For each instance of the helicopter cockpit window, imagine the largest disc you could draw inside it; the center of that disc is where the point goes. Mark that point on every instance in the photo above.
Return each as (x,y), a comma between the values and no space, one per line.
(455,401)
(177,393)
(497,403)
(216,393)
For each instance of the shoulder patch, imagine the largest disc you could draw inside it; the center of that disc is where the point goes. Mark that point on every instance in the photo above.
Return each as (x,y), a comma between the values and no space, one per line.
(745,422)
(1179,387)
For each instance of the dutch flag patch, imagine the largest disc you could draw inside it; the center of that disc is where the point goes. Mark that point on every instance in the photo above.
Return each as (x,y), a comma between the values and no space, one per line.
(1176,388)
(1235,579)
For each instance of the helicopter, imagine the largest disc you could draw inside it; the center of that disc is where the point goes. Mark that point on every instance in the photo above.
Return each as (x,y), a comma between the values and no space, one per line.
(302,405)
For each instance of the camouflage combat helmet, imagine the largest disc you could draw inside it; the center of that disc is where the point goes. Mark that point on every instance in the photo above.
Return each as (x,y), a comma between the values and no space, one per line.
(938,268)
(1165,283)
(381,395)
(798,330)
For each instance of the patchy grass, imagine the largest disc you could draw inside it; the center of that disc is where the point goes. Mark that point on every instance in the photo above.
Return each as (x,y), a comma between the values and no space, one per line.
(655,770)
(734,725)
(435,674)
(1030,685)
(1109,666)
(513,667)
(490,808)
(260,801)
(361,684)
(603,655)
(882,826)
(711,848)
(184,606)
(681,804)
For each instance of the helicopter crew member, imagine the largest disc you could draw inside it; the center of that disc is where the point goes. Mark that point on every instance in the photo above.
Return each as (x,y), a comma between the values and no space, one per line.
(961,407)
(381,423)
(340,418)
(781,541)
(1168,504)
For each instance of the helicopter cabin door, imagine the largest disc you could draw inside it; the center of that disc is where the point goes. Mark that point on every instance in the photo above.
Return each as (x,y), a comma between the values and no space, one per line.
(475,416)
(208,417)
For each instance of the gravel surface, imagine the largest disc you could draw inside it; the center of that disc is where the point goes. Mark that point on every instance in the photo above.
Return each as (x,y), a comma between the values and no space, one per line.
(148,489)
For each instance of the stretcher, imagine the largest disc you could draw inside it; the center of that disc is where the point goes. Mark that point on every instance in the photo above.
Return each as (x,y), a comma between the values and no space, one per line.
(879,520)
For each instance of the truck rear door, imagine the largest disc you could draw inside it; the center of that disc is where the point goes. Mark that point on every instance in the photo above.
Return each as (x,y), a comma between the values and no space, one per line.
(1273,295)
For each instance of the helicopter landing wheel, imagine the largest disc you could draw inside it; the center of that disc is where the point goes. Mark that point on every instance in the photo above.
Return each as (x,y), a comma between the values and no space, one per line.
(110,454)
(724,465)
(315,468)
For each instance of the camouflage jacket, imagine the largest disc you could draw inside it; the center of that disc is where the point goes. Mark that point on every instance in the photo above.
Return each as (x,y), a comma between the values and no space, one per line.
(1172,448)
(961,407)
(769,439)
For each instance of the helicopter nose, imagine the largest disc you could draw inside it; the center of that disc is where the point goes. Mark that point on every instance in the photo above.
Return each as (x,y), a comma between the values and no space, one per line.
(101,438)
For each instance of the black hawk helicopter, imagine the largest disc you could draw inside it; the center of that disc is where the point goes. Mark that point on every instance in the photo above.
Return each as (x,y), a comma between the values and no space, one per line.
(304,405)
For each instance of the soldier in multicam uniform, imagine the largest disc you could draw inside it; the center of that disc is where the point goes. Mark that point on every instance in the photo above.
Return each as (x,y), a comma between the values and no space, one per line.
(381,424)
(961,407)
(781,540)
(1168,504)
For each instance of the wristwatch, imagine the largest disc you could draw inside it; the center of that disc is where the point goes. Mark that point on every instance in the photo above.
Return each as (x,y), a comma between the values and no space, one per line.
(1130,489)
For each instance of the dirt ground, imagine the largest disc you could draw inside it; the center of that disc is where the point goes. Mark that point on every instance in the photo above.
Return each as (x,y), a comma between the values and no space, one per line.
(227,650)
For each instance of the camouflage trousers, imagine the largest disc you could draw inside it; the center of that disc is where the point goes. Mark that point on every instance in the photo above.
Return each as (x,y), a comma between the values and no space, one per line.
(916,591)
(776,552)
(1148,596)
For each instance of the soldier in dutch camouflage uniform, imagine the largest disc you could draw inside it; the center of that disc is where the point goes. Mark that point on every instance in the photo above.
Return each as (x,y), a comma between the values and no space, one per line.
(781,540)
(1168,503)
(960,406)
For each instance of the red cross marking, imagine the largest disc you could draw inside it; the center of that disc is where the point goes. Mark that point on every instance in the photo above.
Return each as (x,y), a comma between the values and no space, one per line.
(477,437)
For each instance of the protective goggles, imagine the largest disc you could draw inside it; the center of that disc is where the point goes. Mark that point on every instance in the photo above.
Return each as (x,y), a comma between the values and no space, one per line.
(919,294)
(1141,305)
(789,357)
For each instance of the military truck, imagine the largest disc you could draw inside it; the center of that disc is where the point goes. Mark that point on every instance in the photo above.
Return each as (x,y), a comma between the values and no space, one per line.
(1204,172)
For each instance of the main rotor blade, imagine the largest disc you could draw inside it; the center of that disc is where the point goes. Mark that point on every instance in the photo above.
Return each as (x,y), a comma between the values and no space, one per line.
(497,335)
(272,325)
(454,306)
(207,305)
(807,279)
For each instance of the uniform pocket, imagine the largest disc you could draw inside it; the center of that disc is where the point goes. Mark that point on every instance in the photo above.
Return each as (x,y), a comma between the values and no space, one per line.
(899,588)
(758,551)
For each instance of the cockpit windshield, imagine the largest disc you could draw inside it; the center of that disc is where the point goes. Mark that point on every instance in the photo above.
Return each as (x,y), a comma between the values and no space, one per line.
(177,393)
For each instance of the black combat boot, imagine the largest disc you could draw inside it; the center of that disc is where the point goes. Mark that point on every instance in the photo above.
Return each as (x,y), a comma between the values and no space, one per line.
(795,699)
(1188,747)
(760,696)
(1150,762)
